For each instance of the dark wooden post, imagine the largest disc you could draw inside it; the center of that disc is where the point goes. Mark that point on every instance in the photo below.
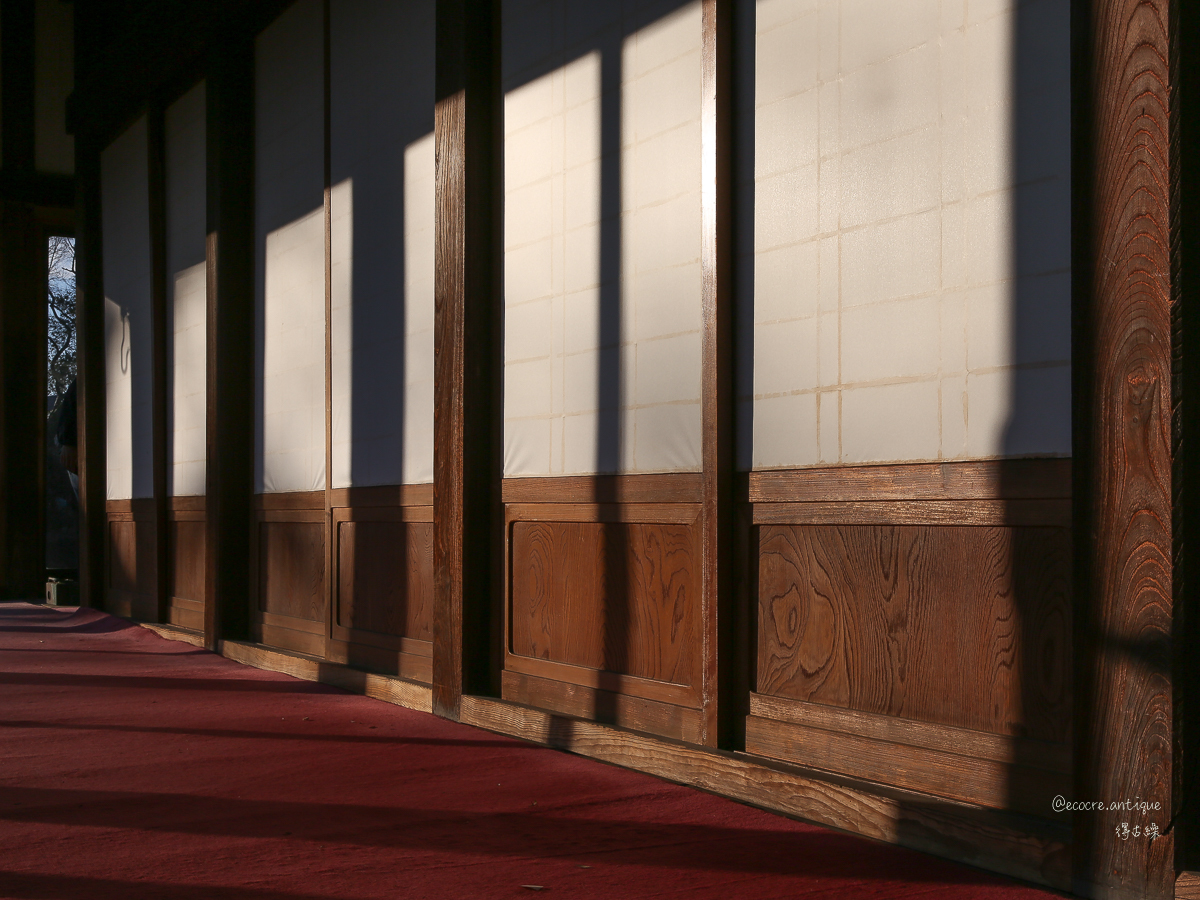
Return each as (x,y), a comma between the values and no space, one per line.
(156,157)
(468,367)
(230,339)
(90,372)
(719,681)
(1123,443)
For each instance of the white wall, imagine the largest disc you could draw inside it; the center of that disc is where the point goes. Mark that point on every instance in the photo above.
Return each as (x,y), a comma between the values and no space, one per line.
(602,237)
(912,231)
(186,293)
(290,252)
(381,144)
(125,218)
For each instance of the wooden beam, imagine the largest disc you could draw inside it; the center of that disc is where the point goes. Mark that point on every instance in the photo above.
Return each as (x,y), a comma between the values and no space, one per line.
(722,705)
(17,84)
(230,340)
(468,367)
(90,372)
(156,157)
(1123,410)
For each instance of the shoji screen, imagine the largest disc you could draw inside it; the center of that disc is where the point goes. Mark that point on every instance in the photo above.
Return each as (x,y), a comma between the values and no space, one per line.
(381,141)
(125,208)
(911,232)
(602,238)
(290,247)
(185,174)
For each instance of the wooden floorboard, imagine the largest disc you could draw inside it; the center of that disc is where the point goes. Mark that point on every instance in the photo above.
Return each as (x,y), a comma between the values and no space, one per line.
(398,691)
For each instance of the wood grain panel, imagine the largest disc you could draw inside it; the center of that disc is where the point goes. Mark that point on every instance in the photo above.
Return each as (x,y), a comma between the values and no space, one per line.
(291,569)
(1126,279)
(635,713)
(186,548)
(873,618)
(122,556)
(385,577)
(991,479)
(952,775)
(617,597)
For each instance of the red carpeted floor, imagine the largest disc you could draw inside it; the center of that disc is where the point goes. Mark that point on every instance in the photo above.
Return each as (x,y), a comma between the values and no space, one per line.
(135,767)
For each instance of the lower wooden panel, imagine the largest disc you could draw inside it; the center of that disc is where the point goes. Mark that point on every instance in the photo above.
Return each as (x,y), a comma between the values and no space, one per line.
(635,713)
(383,580)
(185,555)
(967,626)
(616,597)
(131,560)
(289,572)
(603,607)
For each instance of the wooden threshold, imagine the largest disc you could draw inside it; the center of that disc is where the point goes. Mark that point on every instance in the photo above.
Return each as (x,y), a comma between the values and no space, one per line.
(1017,845)
(397,691)
(1187,886)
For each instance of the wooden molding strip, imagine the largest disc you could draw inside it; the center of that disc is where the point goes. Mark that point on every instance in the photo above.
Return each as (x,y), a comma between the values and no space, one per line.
(393,690)
(1055,513)
(966,778)
(382,495)
(139,509)
(186,504)
(946,738)
(175,633)
(634,713)
(990,479)
(646,688)
(676,487)
(382,514)
(628,513)
(1187,886)
(1015,845)
(292,500)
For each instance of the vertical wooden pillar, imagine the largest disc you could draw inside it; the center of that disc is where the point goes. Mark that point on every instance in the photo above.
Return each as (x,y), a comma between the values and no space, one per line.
(1123,295)
(468,366)
(1185,123)
(22,407)
(717,392)
(156,156)
(230,340)
(90,371)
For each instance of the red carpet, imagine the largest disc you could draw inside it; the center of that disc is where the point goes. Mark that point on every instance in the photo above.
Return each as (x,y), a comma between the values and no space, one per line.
(136,767)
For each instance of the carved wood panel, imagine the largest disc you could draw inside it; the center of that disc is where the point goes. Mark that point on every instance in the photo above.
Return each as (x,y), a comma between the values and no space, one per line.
(958,625)
(617,597)
(385,577)
(187,560)
(291,569)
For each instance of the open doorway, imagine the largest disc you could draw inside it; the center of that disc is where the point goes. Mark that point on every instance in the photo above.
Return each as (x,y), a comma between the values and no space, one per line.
(62,497)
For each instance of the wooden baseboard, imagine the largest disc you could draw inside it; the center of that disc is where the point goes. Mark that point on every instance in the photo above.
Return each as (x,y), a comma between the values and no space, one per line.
(175,633)
(1016,845)
(397,691)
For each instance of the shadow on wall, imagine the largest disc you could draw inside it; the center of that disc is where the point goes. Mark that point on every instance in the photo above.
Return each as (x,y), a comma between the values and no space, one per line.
(590,42)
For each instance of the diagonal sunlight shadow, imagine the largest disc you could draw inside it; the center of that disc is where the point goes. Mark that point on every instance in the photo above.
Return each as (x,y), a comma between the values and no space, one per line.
(256,735)
(40,886)
(547,834)
(159,683)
